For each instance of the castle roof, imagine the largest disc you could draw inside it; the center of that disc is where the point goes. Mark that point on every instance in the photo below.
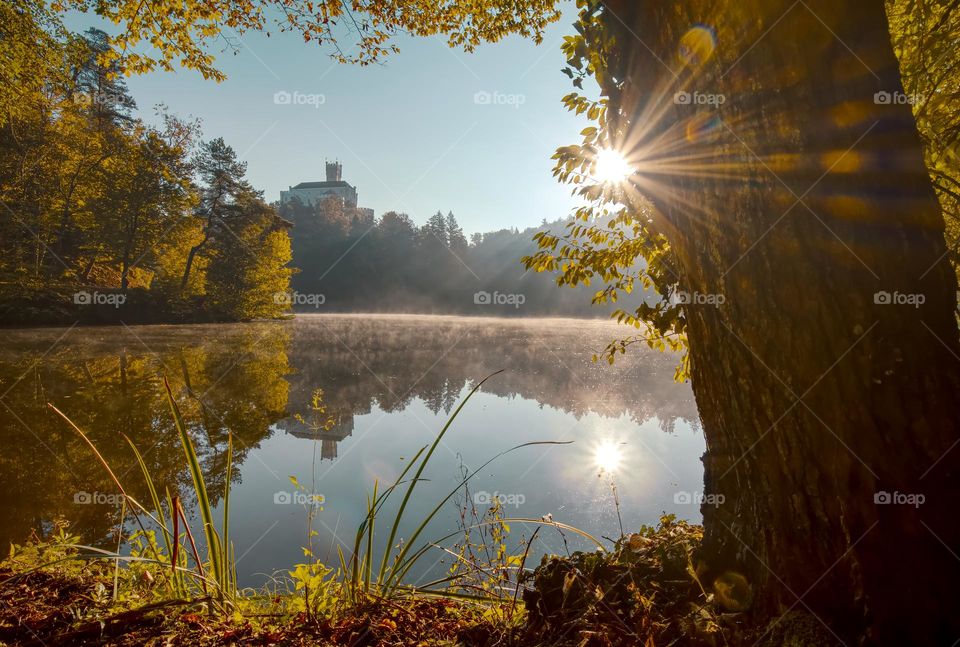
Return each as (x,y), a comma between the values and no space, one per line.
(322,185)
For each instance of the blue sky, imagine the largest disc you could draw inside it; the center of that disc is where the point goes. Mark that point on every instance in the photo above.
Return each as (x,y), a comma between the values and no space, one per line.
(410,134)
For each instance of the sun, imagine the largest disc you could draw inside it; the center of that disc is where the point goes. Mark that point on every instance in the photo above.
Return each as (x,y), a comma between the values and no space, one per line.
(611,166)
(607,456)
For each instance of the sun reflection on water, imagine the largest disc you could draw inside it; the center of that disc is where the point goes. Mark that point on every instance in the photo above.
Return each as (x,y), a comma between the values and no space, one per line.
(607,456)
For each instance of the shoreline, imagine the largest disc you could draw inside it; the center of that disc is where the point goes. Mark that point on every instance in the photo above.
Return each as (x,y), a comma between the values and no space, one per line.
(79,323)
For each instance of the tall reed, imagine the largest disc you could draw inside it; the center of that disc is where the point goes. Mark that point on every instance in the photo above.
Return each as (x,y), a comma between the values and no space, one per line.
(213,575)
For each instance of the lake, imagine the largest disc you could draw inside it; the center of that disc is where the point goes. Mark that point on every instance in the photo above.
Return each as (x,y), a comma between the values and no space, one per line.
(388,384)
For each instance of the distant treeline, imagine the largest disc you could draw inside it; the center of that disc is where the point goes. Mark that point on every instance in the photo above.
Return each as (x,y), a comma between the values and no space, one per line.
(350,262)
(105,218)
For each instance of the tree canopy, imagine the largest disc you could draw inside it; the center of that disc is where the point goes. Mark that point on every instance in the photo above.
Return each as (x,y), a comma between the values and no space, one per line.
(166,33)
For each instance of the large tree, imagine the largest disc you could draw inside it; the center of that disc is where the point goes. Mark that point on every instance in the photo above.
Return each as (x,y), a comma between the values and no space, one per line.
(224,183)
(781,206)
(247,273)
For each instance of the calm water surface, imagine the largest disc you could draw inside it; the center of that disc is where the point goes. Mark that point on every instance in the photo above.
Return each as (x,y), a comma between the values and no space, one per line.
(388,384)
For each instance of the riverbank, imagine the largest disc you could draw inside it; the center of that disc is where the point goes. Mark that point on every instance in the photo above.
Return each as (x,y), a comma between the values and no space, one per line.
(52,607)
(644,591)
(92,305)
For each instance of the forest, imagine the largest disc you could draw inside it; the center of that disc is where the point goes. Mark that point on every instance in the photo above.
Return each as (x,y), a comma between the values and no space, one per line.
(107,219)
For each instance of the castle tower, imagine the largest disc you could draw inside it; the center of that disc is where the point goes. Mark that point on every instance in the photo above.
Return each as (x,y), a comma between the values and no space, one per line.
(333,171)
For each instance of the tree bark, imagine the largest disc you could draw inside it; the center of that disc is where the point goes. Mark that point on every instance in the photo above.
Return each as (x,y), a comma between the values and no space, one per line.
(805,202)
(190,258)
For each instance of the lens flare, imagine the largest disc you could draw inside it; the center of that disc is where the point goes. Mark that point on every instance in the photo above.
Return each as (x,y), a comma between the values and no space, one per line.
(697,45)
(610,166)
(703,128)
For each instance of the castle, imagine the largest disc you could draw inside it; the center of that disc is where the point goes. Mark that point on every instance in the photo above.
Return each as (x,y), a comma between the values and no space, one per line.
(313,193)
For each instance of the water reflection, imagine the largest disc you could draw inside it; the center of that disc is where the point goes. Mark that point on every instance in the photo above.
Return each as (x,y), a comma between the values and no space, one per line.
(365,364)
(109,382)
(387,385)
(608,456)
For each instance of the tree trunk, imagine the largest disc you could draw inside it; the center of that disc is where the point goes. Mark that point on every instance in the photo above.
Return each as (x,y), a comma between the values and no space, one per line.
(125,268)
(127,252)
(85,275)
(806,204)
(190,258)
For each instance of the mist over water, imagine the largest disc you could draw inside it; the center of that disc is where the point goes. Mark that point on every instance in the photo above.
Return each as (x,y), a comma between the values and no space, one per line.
(388,385)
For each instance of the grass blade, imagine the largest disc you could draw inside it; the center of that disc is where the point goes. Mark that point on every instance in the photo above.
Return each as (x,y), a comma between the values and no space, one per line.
(368,558)
(161,518)
(416,478)
(226,513)
(398,573)
(206,512)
